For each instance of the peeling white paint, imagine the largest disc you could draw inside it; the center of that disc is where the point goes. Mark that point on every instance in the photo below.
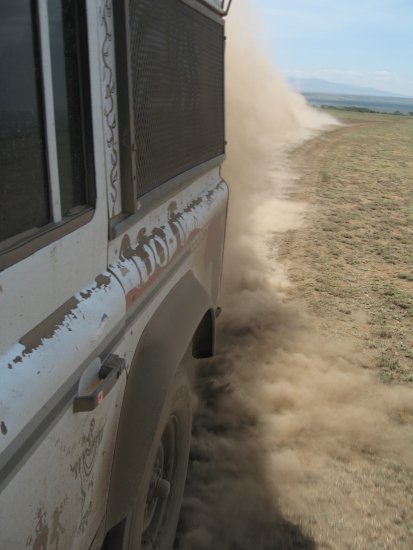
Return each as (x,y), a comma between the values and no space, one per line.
(38,374)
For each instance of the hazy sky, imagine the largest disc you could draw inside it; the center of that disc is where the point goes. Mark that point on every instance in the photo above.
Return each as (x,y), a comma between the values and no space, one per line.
(363,42)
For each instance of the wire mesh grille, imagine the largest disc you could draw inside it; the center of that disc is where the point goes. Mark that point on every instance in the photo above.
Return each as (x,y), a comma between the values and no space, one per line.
(177,84)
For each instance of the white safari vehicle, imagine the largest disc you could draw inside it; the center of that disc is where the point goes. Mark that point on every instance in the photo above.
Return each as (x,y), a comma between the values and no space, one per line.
(112,221)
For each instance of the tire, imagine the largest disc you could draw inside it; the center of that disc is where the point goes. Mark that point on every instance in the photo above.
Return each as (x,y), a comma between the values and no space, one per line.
(151,524)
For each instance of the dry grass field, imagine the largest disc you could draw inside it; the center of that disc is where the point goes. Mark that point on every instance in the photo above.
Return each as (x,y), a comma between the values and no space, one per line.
(351,268)
(352,264)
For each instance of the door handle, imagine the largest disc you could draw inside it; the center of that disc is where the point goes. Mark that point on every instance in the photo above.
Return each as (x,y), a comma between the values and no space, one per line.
(108,375)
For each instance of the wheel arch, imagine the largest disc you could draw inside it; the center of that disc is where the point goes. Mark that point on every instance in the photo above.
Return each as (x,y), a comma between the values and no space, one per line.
(158,355)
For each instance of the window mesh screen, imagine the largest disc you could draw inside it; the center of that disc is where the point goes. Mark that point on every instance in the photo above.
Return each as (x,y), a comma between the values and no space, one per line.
(177,84)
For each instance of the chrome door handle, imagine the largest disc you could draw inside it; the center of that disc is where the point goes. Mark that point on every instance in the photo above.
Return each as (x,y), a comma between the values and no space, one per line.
(108,375)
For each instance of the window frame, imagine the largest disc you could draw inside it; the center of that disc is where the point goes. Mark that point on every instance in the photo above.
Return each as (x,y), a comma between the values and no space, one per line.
(24,244)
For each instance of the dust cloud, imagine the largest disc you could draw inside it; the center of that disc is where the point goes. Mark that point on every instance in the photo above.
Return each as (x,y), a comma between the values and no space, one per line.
(278,403)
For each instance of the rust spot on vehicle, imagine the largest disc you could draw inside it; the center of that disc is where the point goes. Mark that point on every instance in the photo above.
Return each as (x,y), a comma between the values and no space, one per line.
(10,366)
(3,428)
(102,280)
(126,251)
(17,359)
(47,328)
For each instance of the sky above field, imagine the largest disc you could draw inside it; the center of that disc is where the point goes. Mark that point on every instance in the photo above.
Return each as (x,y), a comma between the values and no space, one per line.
(361,42)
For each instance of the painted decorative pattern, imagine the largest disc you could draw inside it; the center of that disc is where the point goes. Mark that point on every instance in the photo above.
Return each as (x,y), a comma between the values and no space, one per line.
(110,107)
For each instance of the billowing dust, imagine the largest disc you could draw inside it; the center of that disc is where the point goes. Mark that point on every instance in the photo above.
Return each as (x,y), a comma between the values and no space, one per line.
(279,404)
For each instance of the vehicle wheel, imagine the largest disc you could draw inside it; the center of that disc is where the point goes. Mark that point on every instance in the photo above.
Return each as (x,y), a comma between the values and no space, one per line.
(151,525)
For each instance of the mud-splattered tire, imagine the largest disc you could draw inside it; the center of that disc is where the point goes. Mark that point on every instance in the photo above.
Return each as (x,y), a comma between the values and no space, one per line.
(151,525)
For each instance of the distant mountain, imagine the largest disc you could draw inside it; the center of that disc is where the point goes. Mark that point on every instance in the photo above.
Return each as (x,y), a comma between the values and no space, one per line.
(318,85)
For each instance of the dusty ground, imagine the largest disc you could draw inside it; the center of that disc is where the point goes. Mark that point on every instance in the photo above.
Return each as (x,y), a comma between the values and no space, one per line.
(351,266)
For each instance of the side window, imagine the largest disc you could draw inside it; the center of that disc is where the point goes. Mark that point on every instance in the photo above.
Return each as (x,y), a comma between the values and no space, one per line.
(24,194)
(44,162)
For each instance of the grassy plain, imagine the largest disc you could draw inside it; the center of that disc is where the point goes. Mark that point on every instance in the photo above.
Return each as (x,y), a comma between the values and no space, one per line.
(353,262)
(351,267)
